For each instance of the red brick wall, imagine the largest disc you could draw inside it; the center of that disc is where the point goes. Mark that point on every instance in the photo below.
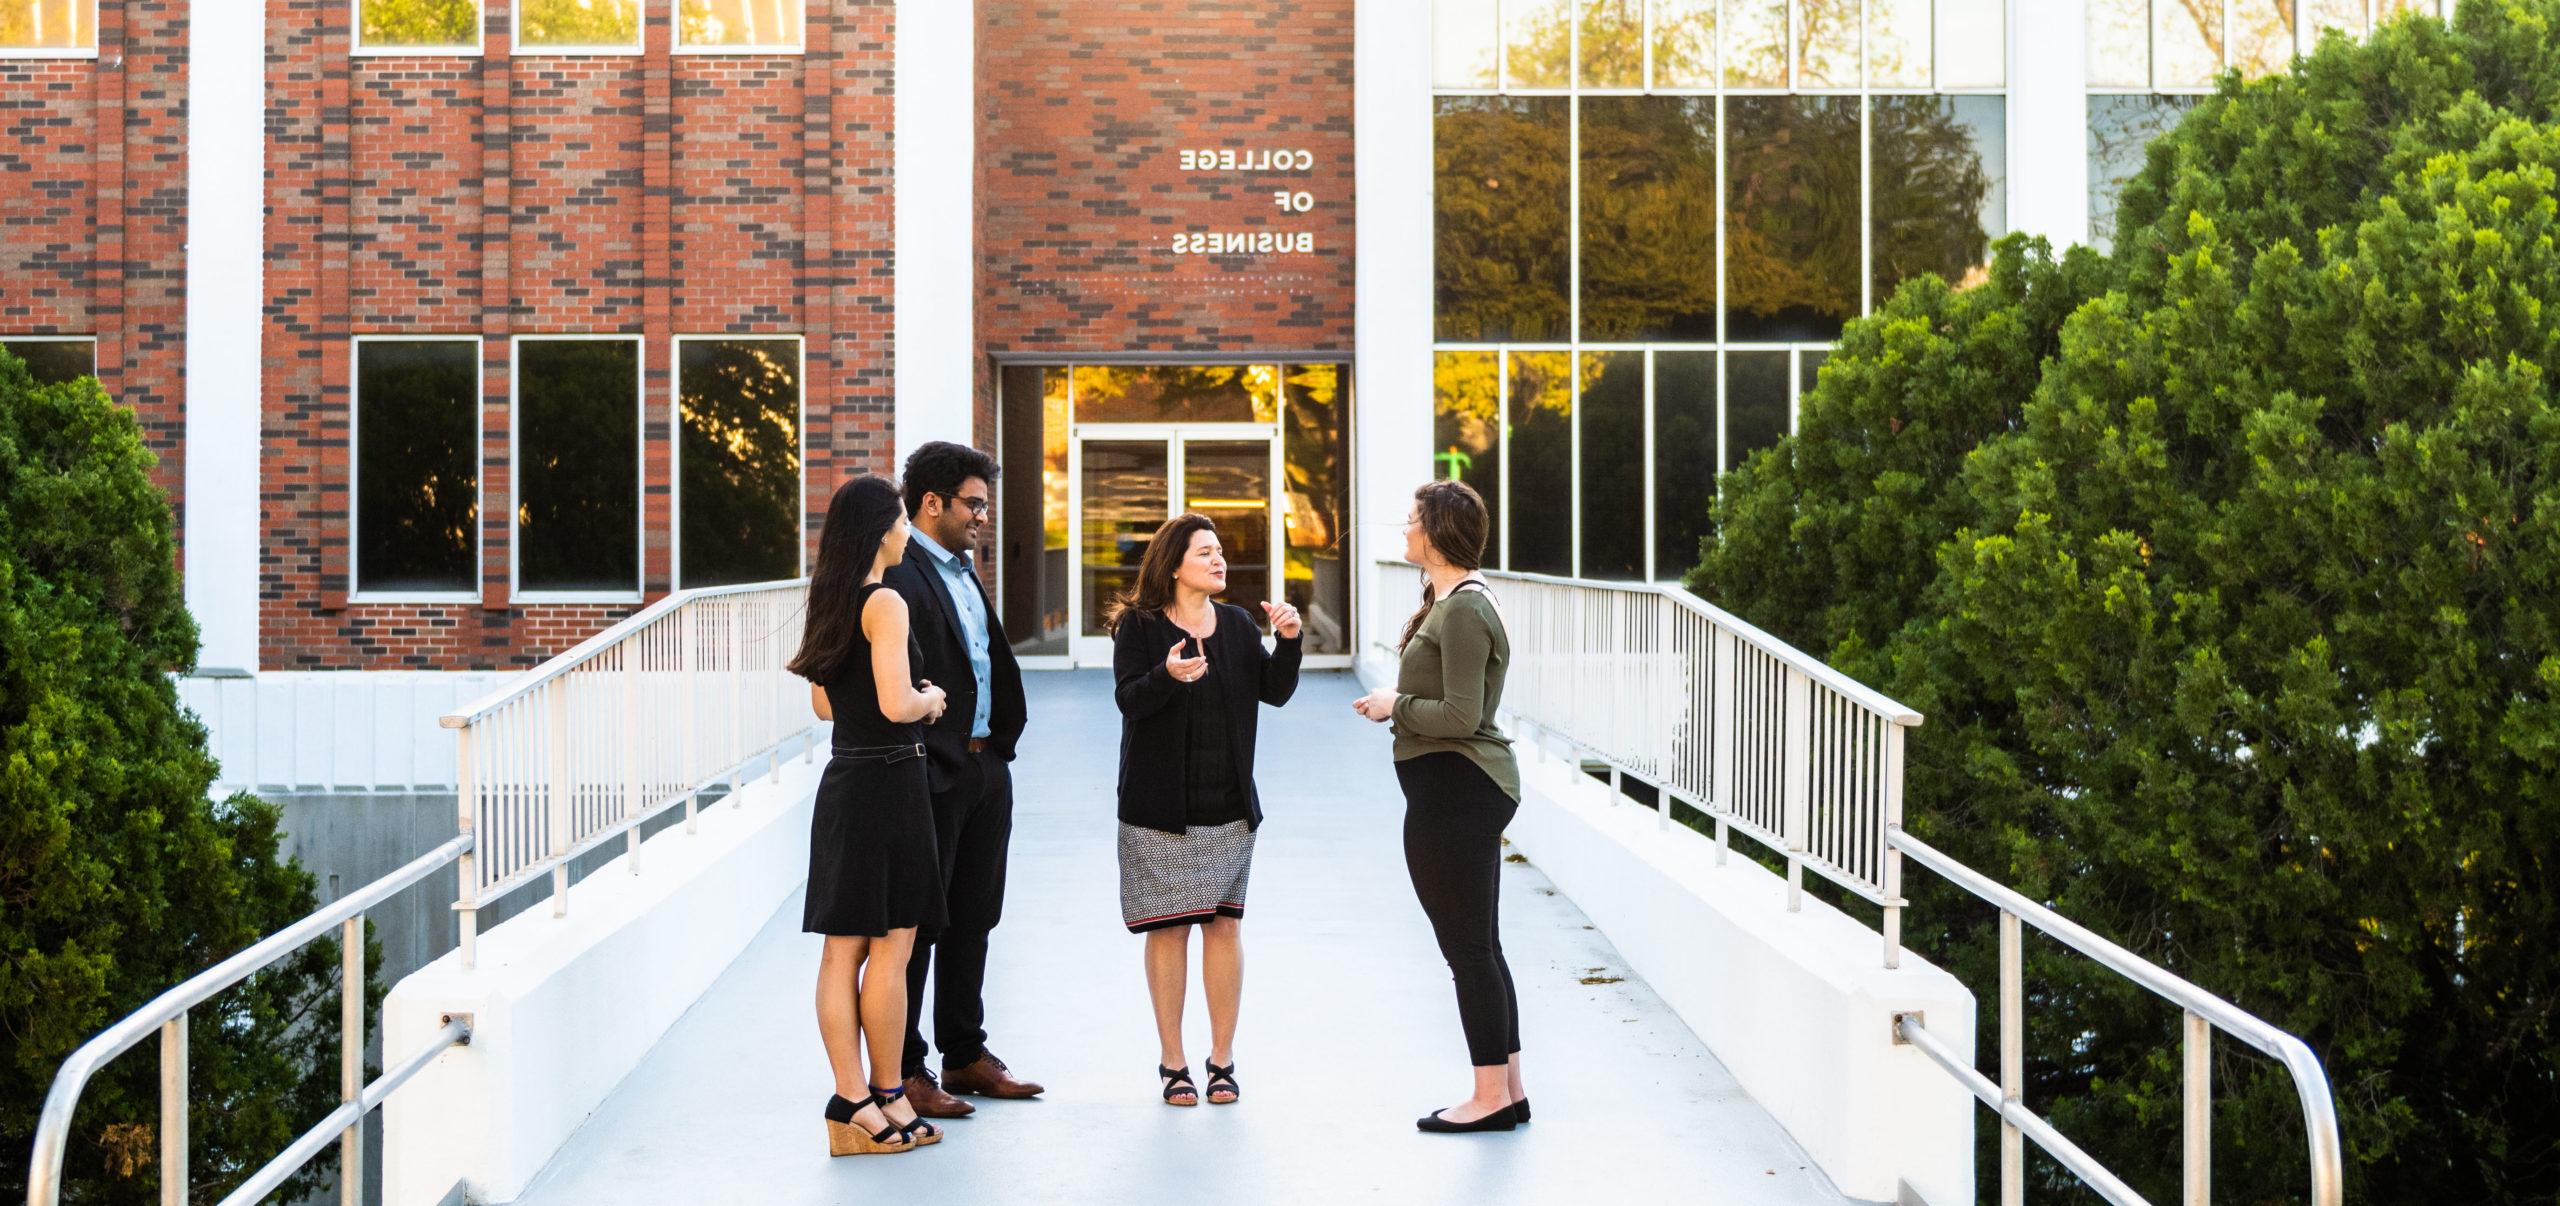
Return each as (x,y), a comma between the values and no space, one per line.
(93,185)
(652,194)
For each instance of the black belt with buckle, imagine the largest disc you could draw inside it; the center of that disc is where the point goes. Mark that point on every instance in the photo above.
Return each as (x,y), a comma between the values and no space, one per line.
(977,745)
(880,753)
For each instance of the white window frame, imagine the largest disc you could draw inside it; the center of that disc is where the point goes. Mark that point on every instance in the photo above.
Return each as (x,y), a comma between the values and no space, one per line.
(60,52)
(515,471)
(355,38)
(519,48)
(91,340)
(677,45)
(675,447)
(355,467)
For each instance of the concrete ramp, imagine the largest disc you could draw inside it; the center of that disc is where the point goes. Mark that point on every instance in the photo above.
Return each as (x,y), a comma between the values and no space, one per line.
(1350,1031)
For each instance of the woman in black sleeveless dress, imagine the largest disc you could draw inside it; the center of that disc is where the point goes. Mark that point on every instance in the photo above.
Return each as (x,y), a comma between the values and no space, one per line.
(874,875)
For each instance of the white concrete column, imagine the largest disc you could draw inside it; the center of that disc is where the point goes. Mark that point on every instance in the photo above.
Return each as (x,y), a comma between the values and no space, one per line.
(1391,159)
(935,210)
(226,238)
(2049,122)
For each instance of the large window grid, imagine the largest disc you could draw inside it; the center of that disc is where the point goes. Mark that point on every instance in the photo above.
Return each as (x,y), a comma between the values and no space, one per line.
(1900,48)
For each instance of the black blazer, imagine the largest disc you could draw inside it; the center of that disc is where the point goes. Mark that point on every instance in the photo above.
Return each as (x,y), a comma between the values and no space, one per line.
(1155,710)
(935,621)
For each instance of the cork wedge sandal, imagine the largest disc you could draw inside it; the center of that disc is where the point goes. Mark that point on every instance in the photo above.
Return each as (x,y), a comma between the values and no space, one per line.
(845,1137)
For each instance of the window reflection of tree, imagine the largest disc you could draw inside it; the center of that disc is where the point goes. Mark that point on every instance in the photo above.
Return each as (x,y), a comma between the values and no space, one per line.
(1157,393)
(1540,418)
(49,24)
(1500,238)
(417,465)
(2120,129)
(54,361)
(741,460)
(1931,187)
(1466,413)
(1791,216)
(578,22)
(419,22)
(578,448)
(1313,455)
(1648,218)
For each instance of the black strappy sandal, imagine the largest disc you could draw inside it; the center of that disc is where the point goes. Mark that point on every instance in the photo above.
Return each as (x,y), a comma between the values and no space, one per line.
(1223,1080)
(845,1137)
(1177,1081)
(919,1132)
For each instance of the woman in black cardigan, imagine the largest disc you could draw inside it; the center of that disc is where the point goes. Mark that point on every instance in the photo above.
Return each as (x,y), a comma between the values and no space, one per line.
(1192,673)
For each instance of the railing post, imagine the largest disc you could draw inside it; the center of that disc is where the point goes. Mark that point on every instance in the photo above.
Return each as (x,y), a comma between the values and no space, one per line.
(351,1057)
(688,624)
(1666,706)
(2013,1060)
(173,1112)
(1892,854)
(557,791)
(466,885)
(1722,677)
(1797,779)
(2199,1110)
(736,754)
(631,791)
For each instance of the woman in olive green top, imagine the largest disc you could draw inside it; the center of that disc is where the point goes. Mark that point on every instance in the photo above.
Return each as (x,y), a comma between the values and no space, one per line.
(1461,786)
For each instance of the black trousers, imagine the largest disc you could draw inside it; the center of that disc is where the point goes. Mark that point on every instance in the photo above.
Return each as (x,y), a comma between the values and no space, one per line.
(1453,819)
(973,824)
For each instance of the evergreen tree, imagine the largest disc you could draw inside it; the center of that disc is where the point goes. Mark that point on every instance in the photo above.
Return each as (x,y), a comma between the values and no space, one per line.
(2224,570)
(118,877)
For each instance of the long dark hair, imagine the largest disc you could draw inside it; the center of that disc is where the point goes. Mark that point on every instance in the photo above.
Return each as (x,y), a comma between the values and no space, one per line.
(1154,591)
(858,519)
(1455,522)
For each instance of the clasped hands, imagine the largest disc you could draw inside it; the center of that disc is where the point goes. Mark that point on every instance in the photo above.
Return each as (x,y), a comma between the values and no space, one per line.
(941,699)
(1284,624)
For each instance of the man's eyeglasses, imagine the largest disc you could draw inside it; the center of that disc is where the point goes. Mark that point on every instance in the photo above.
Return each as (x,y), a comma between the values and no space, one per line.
(977,506)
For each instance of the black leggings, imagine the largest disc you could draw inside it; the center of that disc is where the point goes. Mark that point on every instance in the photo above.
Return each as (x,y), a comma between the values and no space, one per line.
(1453,819)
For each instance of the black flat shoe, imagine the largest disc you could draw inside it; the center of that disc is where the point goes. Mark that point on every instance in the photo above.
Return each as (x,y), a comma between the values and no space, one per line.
(1520,1110)
(1499,1120)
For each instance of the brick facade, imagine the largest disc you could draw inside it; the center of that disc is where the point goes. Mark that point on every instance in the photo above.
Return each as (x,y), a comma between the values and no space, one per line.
(93,186)
(503,195)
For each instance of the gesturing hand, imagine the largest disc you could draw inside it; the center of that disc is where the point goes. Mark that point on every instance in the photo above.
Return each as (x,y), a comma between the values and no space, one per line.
(1185,669)
(1284,618)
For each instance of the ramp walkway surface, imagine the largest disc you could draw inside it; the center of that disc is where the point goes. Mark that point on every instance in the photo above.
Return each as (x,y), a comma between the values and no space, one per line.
(1349,1031)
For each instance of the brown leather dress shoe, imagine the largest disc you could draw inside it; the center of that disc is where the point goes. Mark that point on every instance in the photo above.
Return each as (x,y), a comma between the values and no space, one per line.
(988,1077)
(931,1102)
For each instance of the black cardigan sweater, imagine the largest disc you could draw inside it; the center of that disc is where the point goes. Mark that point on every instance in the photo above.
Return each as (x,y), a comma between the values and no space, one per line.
(1155,710)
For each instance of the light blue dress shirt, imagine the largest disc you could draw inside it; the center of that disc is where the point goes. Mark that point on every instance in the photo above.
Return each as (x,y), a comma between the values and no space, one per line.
(972,606)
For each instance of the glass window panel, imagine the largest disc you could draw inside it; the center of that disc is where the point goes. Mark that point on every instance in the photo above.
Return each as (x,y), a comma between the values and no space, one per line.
(1463,44)
(739,488)
(1612,459)
(2391,10)
(1612,43)
(54,361)
(49,25)
(1808,373)
(2119,43)
(417,465)
(1648,218)
(2186,43)
(1684,457)
(1684,43)
(1126,498)
(1177,393)
(2261,36)
(1316,512)
(1973,43)
(1501,252)
(577,416)
(1755,43)
(1031,505)
(1537,43)
(2120,127)
(740,23)
(1230,482)
(1466,417)
(2345,16)
(429,24)
(1940,197)
(1541,431)
(541,23)
(1791,217)
(1755,403)
(1827,43)
(1898,43)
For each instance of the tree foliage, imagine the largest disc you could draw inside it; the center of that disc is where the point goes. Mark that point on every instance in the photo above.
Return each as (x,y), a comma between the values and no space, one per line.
(2224,568)
(118,877)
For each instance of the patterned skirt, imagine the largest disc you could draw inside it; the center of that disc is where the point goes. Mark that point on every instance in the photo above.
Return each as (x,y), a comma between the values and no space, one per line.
(1167,880)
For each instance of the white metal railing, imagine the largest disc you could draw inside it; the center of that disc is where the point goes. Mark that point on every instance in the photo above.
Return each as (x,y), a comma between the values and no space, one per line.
(167,1015)
(1654,682)
(633,721)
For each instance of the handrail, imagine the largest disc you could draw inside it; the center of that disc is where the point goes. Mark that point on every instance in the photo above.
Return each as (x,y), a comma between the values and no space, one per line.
(1715,719)
(167,1012)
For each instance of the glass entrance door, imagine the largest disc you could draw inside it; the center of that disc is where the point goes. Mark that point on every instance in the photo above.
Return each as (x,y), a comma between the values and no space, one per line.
(1130,478)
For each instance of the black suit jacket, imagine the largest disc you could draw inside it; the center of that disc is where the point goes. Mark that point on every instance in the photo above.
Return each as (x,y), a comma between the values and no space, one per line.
(936,622)
(1155,710)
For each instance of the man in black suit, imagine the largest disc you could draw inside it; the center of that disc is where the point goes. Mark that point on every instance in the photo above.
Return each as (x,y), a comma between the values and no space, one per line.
(948,496)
